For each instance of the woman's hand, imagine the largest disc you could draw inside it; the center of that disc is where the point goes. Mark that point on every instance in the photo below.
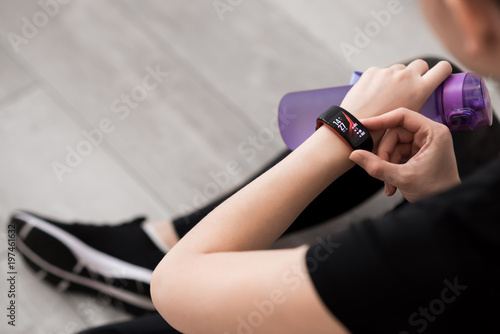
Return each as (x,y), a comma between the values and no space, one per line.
(380,90)
(415,155)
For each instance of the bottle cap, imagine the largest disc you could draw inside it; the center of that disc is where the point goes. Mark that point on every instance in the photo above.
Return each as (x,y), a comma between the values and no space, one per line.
(466,103)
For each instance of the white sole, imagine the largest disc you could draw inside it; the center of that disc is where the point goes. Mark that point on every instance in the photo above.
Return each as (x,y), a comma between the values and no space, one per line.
(87,257)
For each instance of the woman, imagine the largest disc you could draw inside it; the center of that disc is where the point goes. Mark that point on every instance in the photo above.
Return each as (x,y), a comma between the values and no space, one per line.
(426,266)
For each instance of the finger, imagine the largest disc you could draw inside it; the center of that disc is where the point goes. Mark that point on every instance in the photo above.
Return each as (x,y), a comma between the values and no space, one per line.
(398,67)
(389,189)
(386,188)
(395,158)
(402,153)
(415,148)
(436,75)
(420,66)
(399,155)
(394,136)
(387,144)
(399,118)
(374,166)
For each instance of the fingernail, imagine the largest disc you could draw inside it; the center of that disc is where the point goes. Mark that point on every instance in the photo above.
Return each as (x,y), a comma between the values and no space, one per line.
(386,190)
(356,158)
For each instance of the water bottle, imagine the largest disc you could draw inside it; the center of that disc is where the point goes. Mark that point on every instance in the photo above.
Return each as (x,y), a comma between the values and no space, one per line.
(461,102)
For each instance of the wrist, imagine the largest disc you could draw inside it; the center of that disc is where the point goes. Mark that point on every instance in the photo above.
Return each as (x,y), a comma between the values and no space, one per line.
(448,184)
(438,187)
(360,112)
(328,149)
(332,142)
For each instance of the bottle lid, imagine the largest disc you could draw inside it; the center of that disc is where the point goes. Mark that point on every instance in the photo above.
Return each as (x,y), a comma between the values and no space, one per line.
(466,103)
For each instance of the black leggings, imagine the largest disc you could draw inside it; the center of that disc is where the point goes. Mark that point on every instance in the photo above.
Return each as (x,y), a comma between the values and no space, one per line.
(473,149)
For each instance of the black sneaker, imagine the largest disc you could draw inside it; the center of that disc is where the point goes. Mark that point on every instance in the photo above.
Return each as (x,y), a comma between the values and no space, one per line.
(116,261)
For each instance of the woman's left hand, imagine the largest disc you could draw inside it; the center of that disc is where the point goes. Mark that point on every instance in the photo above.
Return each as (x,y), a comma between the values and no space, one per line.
(380,90)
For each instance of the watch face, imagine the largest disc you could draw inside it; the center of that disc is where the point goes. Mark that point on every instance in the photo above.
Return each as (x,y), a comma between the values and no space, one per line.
(356,134)
(348,127)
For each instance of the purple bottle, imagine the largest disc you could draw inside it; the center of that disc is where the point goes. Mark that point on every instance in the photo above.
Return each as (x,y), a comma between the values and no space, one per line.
(461,102)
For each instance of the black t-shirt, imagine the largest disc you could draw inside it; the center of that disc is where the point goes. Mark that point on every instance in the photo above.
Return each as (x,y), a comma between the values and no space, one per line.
(431,267)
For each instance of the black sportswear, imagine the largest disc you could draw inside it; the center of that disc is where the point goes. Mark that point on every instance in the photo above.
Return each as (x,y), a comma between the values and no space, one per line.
(433,266)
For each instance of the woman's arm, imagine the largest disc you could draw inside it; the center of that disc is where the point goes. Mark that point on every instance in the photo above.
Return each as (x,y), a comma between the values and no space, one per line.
(220,282)
(217,278)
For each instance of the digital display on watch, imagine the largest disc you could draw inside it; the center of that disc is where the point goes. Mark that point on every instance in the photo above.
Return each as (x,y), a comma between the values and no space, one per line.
(348,127)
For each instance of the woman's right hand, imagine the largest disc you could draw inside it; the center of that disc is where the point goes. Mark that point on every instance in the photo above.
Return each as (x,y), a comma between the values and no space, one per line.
(415,155)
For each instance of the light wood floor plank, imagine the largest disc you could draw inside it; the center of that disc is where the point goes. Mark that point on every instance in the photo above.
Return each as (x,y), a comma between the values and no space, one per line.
(388,38)
(13,79)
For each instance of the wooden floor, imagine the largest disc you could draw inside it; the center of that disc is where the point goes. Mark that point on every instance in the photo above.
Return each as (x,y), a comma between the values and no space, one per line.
(219,77)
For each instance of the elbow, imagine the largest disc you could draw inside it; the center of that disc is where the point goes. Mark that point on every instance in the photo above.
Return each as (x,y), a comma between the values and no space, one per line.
(157,286)
(166,292)
(173,290)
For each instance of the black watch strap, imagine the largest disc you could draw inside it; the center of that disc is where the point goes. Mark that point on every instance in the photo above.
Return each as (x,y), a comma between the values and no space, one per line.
(347,127)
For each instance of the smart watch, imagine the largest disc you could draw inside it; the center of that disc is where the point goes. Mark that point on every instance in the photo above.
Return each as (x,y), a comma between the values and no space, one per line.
(347,127)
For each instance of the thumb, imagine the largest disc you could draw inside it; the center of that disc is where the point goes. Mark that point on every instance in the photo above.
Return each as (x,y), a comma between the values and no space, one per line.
(375,166)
